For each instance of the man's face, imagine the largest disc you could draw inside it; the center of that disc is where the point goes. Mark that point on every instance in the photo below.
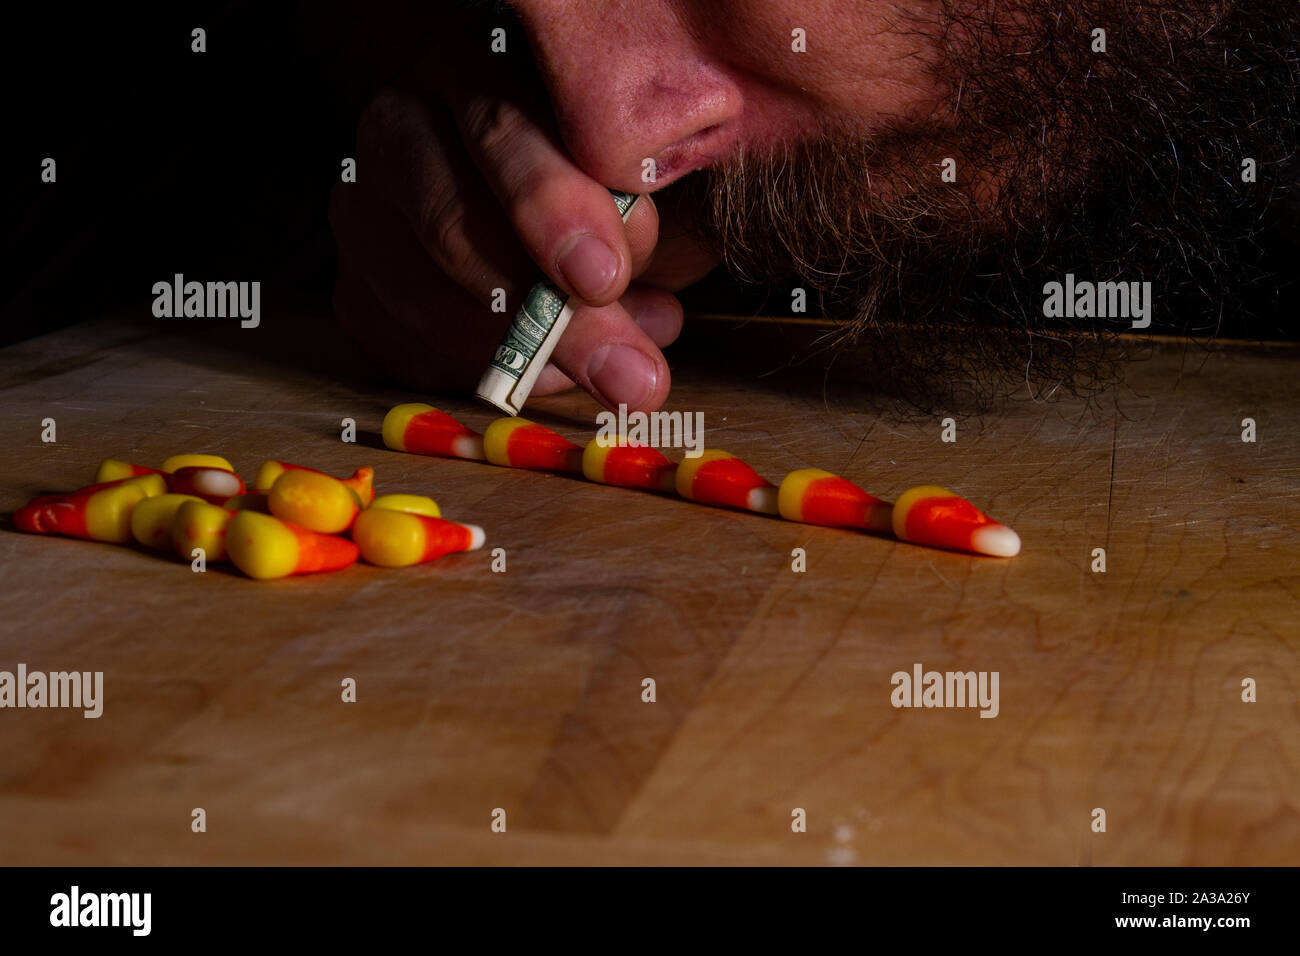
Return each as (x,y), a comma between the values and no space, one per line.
(926,161)
(689,83)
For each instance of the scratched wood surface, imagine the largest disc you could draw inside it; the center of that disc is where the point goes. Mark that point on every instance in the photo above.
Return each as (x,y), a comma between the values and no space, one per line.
(522,690)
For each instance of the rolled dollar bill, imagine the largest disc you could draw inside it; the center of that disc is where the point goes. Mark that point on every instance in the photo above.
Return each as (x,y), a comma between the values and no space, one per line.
(533,334)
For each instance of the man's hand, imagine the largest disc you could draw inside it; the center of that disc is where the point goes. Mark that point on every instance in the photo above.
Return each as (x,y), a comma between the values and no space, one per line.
(458,196)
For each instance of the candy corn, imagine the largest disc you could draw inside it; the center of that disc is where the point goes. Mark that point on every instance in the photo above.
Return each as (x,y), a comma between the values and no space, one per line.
(424,430)
(214,485)
(519,443)
(177,462)
(151,519)
(110,469)
(720,478)
(313,500)
(628,465)
(265,547)
(99,512)
(198,502)
(412,504)
(361,481)
(935,516)
(399,539)
(814,496)
(153,484)
(198,524)
(270,470)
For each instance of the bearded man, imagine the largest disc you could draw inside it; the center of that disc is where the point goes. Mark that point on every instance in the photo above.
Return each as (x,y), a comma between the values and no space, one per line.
(926,169)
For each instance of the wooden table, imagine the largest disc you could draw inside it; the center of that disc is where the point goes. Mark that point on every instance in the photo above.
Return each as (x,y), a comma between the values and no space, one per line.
(523,690)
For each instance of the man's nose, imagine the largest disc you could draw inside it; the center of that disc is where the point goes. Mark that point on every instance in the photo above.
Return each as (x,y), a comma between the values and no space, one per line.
(637,101)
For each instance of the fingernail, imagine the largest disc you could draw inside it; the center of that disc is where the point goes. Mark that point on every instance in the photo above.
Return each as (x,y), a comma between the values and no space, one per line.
(623,375)
(589,266)
(658,322)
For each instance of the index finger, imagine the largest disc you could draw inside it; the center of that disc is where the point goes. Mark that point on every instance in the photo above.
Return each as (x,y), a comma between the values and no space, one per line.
(564,218)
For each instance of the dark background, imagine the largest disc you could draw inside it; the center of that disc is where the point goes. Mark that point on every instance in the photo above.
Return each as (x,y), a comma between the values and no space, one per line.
(219,165)
(215,165)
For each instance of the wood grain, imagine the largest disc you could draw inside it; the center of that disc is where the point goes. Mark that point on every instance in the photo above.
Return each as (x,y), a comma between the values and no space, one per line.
(522,690)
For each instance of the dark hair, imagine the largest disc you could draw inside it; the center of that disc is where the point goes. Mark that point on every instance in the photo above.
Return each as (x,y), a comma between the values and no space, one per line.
(1123,164)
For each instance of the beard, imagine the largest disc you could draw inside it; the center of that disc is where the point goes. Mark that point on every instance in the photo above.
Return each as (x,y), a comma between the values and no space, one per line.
(1125,165)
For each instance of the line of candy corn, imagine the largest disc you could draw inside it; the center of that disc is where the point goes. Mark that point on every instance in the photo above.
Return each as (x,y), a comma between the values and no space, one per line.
(720,478)
(814,496)
(424,430)
(929,515)
(628,465)
(934,516)
(519,443)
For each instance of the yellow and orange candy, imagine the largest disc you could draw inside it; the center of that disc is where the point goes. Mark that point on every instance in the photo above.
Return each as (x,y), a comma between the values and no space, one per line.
(313,500)
(814,496)
(264,547)
(362,481)
(412,504)
(111,469)
(424,430)
(100,512)
(213,485)
(936,517)
(628,465)
(400,539)
(177,462)
(720,478)
(198,524)
(151,519)
(519,443)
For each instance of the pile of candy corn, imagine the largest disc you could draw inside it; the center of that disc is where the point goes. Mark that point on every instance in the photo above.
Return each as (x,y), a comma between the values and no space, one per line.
(292,522)
(927,514)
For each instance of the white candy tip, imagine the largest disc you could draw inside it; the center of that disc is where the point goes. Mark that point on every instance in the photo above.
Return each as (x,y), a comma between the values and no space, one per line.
(996,540)
(217,483)
(476,537)
(764,500)
(468,446)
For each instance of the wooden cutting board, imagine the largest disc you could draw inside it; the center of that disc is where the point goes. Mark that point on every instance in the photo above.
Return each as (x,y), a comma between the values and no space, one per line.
(523,690)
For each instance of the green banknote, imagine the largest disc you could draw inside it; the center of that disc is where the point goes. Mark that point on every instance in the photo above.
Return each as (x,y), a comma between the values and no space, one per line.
(541,307)
(536,317)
